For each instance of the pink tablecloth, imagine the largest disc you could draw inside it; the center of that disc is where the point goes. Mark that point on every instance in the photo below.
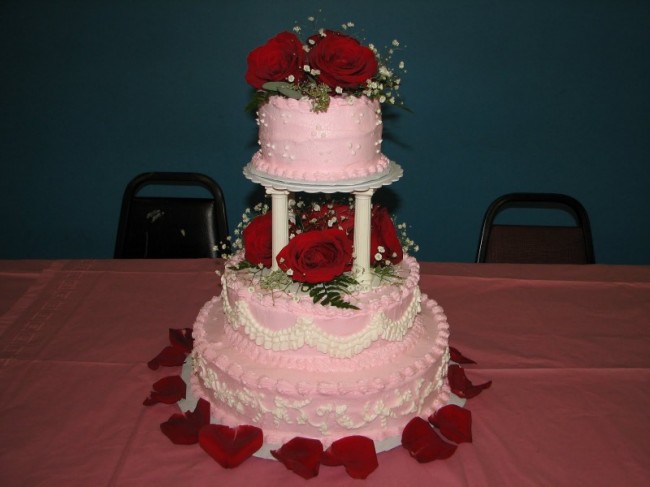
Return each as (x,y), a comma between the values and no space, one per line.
(568,349)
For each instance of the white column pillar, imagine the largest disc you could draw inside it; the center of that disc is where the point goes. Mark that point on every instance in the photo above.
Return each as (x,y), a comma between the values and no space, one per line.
(279,222)
(362,208)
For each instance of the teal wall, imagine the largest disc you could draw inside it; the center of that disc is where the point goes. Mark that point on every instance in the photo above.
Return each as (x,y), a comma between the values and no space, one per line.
(506,95)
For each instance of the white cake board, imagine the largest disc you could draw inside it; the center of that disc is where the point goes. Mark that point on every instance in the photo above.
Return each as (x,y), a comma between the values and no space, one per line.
(375,181)
(189,403)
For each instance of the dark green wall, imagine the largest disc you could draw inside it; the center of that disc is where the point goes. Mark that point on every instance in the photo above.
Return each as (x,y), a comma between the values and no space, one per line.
(520,95)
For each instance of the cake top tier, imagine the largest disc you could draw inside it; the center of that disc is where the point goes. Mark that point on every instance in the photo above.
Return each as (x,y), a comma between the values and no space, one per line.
(318,111)
(342,144)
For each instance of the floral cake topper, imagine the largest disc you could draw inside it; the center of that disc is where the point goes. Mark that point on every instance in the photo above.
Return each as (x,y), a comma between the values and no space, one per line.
(328,63)
(319,255)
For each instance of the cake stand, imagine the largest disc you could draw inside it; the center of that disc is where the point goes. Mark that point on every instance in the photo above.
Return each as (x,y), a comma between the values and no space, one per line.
(362,189)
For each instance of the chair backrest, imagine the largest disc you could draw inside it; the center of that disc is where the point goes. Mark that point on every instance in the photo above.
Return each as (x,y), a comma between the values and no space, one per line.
(536,244)
(171,227)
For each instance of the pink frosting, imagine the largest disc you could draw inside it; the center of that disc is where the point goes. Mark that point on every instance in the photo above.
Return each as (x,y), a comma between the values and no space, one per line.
(299,144)
(370,397)
(277,313)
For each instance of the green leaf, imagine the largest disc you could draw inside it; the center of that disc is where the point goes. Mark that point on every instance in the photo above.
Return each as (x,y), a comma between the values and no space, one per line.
(330,293)
(276,85)
(257,98)
(244,264)
(290,93)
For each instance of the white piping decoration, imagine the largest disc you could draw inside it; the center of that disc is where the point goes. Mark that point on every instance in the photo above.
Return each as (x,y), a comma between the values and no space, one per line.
(304,332)
(407,401)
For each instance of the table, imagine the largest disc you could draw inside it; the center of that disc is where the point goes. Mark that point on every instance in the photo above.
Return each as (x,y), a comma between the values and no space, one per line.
(567,348)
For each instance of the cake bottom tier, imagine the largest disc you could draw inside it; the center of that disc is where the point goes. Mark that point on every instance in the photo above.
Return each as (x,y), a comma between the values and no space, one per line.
(376,402)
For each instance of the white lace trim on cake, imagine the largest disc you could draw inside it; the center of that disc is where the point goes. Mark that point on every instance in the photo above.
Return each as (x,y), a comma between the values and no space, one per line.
(304,332)
(260,407)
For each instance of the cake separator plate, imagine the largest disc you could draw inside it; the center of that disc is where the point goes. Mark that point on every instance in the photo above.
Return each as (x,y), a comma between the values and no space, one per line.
(375,181)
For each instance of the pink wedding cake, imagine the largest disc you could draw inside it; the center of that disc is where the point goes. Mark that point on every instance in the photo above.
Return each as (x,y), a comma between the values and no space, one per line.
(320,330)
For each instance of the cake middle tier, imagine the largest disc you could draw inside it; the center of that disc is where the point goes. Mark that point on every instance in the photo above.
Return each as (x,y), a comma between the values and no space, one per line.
(274,320)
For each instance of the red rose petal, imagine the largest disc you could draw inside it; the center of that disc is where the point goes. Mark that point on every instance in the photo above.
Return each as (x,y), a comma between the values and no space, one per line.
(167,390)
(184,429)
(201,414)
(356,453)
(423,443)
(169,357)
(230,446)
(461,385)
(179,430)
(458,357)
(181,339)
(454,422)
(301,455)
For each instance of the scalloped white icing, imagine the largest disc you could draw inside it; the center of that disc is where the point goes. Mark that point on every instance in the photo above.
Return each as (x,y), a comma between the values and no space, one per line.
(376,402)
(304,331)
(278,320)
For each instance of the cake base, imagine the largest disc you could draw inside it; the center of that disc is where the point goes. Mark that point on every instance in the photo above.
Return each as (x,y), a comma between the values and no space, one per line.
(189,403)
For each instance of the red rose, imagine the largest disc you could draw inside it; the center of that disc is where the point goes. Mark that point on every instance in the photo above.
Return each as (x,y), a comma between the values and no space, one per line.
(342,61)
(258,241)
(281,57)
(317,256)
(331,215)
(383,234)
